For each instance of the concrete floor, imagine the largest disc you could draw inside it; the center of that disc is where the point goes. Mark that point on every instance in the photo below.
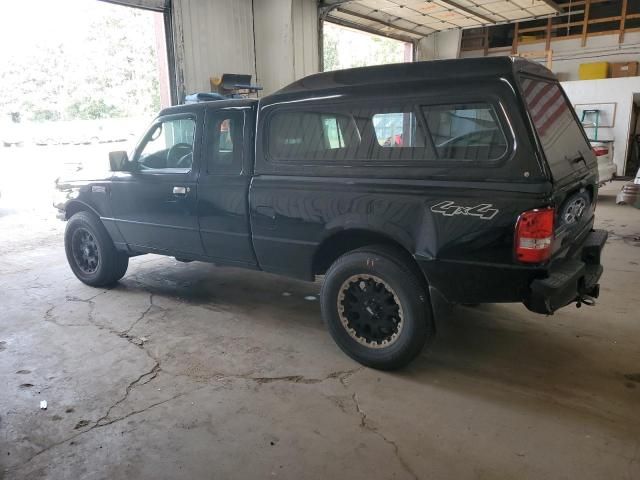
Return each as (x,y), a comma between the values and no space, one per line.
(192,371)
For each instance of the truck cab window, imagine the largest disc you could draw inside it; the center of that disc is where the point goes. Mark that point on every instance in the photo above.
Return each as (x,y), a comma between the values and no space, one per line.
(397,129)
(466,132)
(225,142)
(168,146)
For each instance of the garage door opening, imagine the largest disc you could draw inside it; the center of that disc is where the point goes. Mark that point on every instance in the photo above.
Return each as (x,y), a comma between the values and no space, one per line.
(345,47)
(84,79)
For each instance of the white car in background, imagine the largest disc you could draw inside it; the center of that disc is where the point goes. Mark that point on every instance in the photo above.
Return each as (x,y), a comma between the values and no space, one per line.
(604,153)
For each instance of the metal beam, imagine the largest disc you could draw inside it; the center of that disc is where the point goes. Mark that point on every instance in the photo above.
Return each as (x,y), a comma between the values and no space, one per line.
(466,10)
(381,22)
(333,3)
(373,31)
(553,5)
(325,6)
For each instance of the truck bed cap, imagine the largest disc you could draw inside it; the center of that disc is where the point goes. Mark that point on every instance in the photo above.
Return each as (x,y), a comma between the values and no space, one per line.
(415,71)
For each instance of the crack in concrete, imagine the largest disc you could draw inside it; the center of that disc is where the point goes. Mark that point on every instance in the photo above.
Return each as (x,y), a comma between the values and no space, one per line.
(143,379)
(340,375)
(138,342)
(151,374)
(103,424)
(148,376)
(364,423)
(50,317)
(143,315)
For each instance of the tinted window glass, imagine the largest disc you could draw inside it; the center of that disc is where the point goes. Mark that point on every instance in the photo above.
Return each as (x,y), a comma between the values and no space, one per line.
(333,131)
(387,135)
(225,155)
(354,135)
(313,136)
(558,131)
(466,132)
(397,129)
(169,145)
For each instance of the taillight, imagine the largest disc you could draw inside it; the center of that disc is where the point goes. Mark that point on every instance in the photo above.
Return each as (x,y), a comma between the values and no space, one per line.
(599,151)
(534,235)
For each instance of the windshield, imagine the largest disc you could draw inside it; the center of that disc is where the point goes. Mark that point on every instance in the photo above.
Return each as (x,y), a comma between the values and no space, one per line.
(560,135)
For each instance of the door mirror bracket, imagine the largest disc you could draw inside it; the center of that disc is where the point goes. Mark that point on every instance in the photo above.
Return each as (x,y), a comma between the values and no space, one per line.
(119,161)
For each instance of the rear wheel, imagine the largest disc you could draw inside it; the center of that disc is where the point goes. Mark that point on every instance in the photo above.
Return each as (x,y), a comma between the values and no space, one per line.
(375,306)
(90,252)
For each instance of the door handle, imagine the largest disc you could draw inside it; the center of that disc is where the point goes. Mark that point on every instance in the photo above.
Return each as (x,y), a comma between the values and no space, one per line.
(181,191)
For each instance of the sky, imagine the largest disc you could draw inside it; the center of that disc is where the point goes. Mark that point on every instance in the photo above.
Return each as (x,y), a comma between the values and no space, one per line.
(27,24)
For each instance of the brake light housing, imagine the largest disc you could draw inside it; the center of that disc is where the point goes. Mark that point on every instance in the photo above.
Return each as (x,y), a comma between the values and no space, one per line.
(599,151)
(534,234)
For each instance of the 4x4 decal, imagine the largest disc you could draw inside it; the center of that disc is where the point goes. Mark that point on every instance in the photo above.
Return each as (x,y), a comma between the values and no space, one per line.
(449,209)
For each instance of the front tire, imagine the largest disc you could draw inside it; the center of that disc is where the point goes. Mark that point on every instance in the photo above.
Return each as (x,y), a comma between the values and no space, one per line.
(376,307)
(91,254)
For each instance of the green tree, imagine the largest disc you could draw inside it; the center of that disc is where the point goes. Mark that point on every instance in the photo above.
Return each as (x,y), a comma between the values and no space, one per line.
(348,48)
(111,72)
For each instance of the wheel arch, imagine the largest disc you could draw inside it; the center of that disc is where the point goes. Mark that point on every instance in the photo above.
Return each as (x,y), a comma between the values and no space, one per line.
(347,240)
(75,206)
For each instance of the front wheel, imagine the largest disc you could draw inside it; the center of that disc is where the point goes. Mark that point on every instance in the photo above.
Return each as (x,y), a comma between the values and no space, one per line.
(91,254)
(376,308)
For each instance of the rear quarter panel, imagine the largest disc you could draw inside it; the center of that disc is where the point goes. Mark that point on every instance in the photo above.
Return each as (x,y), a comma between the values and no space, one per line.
(465,253)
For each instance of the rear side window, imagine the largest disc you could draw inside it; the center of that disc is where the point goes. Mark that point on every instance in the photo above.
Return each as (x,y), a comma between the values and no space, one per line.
(316,136)
(390,135)
(466,132)
(225,137)
(397,129)
(559,133)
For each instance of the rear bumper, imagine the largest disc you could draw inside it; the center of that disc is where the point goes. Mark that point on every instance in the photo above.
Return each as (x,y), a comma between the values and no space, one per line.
(573,278)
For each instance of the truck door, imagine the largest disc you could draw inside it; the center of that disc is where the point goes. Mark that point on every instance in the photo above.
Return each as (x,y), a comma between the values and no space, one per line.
(154,204)
(225,173)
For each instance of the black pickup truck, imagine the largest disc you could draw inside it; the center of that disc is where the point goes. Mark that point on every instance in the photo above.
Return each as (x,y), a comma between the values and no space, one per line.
(465,181)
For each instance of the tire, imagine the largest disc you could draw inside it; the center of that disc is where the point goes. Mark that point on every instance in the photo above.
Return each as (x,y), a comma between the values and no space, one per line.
(397,316)
(570,214)
(91,254)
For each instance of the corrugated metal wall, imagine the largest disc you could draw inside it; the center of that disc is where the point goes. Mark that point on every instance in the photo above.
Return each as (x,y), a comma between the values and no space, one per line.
(286,41)
(305,32)
(211,37)
(274,43)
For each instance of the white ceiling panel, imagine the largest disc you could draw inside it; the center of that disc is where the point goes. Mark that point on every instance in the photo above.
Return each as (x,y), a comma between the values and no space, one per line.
(515,14)
(397,10)
(497,7)
(465,22)
(428,8)
(539,10)
(379,4)
(414,17)
(524,3)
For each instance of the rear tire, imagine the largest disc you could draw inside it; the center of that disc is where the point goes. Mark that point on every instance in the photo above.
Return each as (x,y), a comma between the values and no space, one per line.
(91,254)
(376,307)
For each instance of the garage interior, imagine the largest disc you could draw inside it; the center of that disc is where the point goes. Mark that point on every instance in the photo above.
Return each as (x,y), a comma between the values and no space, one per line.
(187,370)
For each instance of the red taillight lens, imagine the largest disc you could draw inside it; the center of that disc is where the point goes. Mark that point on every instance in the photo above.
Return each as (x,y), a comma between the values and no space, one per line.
(599,151)
(534,235)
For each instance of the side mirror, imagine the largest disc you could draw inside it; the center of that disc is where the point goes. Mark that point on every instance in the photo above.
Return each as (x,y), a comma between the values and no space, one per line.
(119,161)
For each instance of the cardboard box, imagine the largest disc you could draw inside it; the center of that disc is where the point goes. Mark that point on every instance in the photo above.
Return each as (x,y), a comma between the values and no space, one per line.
(593,71)
(624,69)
